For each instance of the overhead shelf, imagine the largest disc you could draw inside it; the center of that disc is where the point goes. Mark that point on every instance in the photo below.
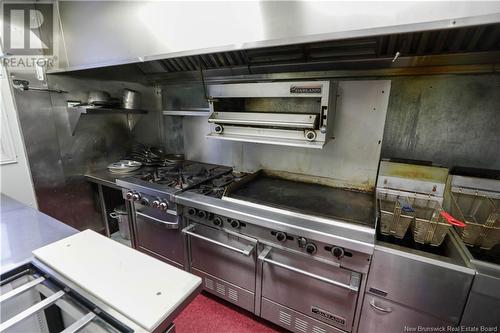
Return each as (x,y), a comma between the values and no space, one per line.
(75,113)
(107,110)
(193,112)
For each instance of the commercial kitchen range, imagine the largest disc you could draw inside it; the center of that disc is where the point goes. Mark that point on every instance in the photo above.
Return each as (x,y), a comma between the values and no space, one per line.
(306,167)
(312,257)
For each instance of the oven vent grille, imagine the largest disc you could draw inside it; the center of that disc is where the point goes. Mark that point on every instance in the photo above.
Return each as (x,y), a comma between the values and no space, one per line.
(301,325)
(209,284)
(317,329)
(285,318)
(221,289)
(232,294)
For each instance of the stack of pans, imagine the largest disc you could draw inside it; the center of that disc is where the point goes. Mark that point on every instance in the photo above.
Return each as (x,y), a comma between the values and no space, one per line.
(154,156)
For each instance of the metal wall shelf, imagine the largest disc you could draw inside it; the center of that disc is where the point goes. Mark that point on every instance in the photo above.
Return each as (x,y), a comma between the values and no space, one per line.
(75,113)
(107,110)
(196,112)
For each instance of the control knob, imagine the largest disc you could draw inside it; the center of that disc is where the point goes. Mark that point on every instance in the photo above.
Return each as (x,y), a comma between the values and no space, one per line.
(136,196)
(163,205)
(338,252)
(281,236)
(155,203)
(217,221)
(235,224)
(202,214)
(192,212)
(145,201)
(311,248)
(129,195)
(218,129)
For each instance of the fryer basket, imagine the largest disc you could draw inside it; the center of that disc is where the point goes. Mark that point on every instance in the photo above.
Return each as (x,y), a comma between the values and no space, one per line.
(482,216)
(394,220)
(431,226)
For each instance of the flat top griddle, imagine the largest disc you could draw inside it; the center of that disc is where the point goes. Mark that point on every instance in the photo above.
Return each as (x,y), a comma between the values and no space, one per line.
(307,198)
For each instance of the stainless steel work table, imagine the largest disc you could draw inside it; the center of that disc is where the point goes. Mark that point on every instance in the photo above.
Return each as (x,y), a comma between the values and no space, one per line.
(102,177)
(106,178)
(24,229)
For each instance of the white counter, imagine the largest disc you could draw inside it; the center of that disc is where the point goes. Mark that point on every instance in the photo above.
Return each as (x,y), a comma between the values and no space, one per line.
(141,288)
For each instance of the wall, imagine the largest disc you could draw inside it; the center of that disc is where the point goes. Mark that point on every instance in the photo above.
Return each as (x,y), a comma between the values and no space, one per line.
(449,120)
(15,177)
(350,160)
(59,160)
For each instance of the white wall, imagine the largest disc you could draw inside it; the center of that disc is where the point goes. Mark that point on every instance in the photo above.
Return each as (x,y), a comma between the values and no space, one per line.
(15,176)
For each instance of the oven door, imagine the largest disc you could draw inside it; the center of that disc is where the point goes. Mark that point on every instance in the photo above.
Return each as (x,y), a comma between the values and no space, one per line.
(159,234)
(226,262)
(302,293)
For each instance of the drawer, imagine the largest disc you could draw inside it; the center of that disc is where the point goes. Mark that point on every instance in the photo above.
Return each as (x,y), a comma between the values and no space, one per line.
(420,283)
(380,315)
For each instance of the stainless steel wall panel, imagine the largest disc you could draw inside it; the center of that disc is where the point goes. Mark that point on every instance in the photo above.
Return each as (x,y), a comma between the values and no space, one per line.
(58,160)
(483,305)
(449,120)
(351,159)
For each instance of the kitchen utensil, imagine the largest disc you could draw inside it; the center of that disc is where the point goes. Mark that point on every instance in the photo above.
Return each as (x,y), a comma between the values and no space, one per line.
(131,99)
(432,224)
(121,215)
(124,166)
(157,151)
(396,214)
(482,216)
(98,98)
(451,220)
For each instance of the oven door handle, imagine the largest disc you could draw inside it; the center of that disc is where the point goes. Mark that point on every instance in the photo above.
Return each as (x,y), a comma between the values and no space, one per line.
(353,286)
(169,225)
(246,252)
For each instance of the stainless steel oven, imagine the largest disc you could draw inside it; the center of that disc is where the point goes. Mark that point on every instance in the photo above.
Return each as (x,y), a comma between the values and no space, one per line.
(307,295)
(226,262)
(158,233)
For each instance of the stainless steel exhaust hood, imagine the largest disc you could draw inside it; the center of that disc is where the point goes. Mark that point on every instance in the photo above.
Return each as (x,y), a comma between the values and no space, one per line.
(299,114)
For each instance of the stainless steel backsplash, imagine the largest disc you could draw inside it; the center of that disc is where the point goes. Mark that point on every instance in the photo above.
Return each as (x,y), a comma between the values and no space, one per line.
(59,160)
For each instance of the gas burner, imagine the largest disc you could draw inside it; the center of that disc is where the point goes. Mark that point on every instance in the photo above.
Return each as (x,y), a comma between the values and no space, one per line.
(223,181)
(186,175)
(216,187)
(209,190)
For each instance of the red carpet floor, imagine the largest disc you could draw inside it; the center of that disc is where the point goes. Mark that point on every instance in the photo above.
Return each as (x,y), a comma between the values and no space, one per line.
(208,314)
